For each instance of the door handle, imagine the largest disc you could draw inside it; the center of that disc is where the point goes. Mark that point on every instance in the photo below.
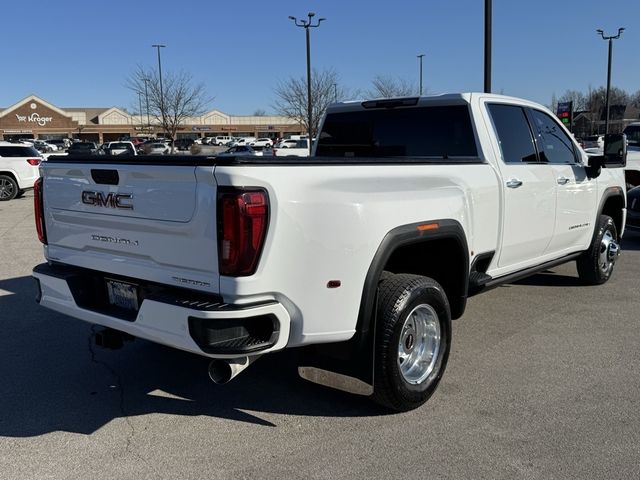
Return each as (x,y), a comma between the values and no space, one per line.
(514,183)
(563,180)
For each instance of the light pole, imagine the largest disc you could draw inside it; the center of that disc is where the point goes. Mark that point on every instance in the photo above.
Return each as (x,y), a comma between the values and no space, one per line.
(306,24)
(146,97)
(420,57)
(158,47)
(335,93)
(610,39)
(487,45)
(140,109)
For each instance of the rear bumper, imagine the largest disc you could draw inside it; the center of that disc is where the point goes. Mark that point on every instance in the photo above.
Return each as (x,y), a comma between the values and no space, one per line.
(178,318)
(26,182)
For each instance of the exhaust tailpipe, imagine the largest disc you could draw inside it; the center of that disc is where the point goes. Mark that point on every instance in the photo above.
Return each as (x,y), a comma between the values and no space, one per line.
(222,371)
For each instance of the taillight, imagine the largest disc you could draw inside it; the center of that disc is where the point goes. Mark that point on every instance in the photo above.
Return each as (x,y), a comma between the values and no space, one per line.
(34,161)
(243,217)
(38,207)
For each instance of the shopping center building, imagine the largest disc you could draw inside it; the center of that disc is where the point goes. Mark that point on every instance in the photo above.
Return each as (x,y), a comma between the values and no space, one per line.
(33,117)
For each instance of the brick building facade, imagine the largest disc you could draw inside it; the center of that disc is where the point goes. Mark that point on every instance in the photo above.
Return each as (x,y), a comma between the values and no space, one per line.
(33,117)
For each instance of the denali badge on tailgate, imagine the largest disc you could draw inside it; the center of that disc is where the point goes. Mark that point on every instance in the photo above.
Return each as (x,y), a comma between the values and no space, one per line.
(112,200)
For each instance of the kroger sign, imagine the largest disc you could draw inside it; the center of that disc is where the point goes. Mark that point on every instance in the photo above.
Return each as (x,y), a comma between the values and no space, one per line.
(34,118)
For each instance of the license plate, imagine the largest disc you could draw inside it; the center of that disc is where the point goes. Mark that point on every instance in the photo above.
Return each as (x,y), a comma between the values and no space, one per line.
(122,294)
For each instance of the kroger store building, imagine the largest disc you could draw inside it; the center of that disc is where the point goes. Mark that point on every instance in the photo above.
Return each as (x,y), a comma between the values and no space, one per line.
(33,117)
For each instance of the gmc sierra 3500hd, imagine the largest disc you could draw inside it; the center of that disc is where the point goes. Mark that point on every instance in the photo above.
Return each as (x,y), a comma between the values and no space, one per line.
(362,253)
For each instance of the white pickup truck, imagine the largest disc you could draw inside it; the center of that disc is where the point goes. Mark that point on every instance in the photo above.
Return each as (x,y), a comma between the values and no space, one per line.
(361,254)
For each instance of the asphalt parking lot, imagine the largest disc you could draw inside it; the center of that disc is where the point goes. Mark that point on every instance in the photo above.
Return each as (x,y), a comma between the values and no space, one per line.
(543,382)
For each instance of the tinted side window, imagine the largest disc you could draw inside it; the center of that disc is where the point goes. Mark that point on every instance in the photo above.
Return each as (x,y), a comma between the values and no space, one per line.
(514,133)
(435,132)
(555,145)
(19,152)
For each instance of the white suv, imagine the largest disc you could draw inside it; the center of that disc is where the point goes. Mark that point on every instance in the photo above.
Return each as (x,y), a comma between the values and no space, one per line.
(262,142)
(222,140)
(18,169)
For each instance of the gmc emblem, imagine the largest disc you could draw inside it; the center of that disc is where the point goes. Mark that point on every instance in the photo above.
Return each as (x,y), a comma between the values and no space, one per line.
(111,200)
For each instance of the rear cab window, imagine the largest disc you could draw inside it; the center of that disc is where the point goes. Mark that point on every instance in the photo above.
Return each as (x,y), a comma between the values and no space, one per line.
(439,132)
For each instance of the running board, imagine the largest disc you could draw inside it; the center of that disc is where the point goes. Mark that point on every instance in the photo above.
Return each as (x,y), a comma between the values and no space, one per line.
(488,284)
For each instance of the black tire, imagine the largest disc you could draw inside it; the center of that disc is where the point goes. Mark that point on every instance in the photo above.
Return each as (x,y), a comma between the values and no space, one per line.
(595,265)
(399,296)
(8,188)
(20,193)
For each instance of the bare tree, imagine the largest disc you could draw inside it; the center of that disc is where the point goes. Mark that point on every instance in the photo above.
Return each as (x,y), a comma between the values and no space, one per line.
(597,98)
(387,86)
(180,98)
(260,113)
(291,98)
(579,99)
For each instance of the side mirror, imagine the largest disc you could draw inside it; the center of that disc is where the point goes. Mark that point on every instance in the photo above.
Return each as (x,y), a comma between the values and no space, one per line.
(594,168)
(615,150)
(615,155)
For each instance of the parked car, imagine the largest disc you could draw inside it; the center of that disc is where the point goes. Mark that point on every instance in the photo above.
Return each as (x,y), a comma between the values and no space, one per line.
(120,148)
(61,143)
(136,140)
(84,148)
(262,142)
(43,147)
(18,169)
(183,143)
(240,151)
(286,143)
(244,141)
(156,148)
(221,140)
(593,141)
(299,148)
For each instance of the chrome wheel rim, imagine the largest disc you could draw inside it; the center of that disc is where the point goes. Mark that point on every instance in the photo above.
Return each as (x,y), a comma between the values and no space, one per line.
(419,344)
(6,188)
(609,251)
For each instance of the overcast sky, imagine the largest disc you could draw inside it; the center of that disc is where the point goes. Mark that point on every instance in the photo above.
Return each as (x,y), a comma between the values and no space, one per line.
(79,53)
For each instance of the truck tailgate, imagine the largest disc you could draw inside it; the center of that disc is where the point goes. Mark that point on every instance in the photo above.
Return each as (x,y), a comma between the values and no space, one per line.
(154,222)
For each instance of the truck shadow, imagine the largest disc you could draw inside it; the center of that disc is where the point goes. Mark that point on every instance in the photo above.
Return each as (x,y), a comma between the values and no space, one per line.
(55,379)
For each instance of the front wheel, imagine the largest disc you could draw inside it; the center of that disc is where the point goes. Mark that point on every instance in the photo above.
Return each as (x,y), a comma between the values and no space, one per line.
(413,338)
(595,266)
